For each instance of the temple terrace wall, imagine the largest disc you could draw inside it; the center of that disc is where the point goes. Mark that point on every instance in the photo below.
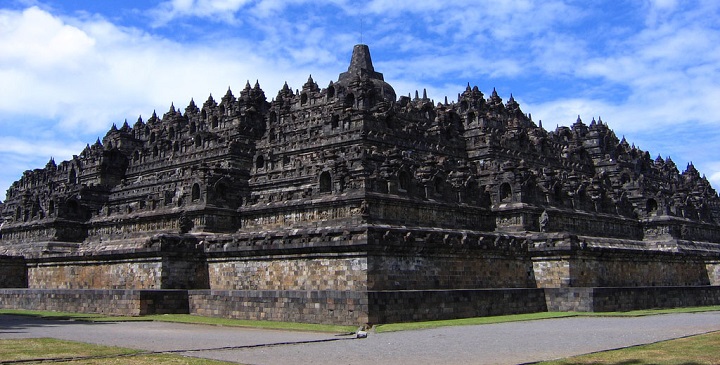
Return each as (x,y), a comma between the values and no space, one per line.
(13,272)
(104,301)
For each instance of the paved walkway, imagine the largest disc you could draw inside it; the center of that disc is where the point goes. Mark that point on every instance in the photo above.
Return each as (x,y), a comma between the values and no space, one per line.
(506,343)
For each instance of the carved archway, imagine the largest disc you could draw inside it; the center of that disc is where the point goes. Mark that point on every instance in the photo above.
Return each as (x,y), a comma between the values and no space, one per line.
(325,182)
(505,193)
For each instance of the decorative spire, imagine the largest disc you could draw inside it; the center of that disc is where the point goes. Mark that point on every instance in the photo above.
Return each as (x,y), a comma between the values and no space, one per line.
(360,65)
(228,98)
(51,164)
(210,102)
(310,84)
(191,108)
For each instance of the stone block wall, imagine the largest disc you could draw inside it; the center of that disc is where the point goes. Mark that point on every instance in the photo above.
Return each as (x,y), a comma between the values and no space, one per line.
(109,302)
(288,273)
(589,224)
(568,299)
(429,305)
(124,270)
(422,213)
(713,270)
(466,270)
(630,298)
(184,273)
(620,270)
(13,272)
(313,306)
(552,272)
(97,274)
(619,299)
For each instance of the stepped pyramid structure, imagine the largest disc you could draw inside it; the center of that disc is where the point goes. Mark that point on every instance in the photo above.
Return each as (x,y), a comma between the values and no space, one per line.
(347,204)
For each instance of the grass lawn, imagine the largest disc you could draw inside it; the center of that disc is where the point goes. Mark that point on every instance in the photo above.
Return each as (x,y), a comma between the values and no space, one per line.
(187,318)
(69,352)
(534,316)
(694,350)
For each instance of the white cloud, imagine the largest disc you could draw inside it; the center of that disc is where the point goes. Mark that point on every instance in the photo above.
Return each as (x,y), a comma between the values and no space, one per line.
(223,10)
(43,149)
(102,73)
(36,39)
(109,73)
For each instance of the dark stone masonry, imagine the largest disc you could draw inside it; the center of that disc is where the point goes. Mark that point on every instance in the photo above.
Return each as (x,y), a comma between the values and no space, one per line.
(346,204)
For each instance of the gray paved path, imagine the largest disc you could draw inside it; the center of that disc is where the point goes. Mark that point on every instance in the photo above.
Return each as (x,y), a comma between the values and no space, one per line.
(507,343)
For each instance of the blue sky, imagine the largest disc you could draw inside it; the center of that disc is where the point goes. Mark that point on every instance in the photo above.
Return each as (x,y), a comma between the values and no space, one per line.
(70,69)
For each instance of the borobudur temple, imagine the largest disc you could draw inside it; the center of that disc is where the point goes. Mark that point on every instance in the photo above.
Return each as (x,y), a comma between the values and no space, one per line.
(349,205)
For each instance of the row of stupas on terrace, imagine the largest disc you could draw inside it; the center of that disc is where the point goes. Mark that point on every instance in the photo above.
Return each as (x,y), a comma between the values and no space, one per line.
(348,189)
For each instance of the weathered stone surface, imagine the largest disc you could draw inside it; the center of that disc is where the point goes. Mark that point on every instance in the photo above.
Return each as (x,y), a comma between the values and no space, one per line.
(110,302)
(629,298)
(13,272)
(315,306)
(350,189)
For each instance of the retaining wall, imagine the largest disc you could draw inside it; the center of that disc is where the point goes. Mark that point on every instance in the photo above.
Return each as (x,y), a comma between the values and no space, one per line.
(103,301)
(430,305)
(312,306)
(13,272)
(630,298)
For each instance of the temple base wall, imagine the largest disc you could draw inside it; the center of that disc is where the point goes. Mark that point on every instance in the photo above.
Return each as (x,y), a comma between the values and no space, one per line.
(629,298)
(122,272)
(384,276)
(394,306)
(13,272)
(105,301)
(713,269)
(111,274)
(310,306)
(296,272)
(459,270)
(622,270)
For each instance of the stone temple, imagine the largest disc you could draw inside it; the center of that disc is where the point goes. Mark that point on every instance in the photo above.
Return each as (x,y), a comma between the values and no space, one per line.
(346,204)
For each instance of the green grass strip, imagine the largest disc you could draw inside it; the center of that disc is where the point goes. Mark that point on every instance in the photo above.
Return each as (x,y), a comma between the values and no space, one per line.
(50,350)
(692,350)
(472,321)
(186,318)
(192,319)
